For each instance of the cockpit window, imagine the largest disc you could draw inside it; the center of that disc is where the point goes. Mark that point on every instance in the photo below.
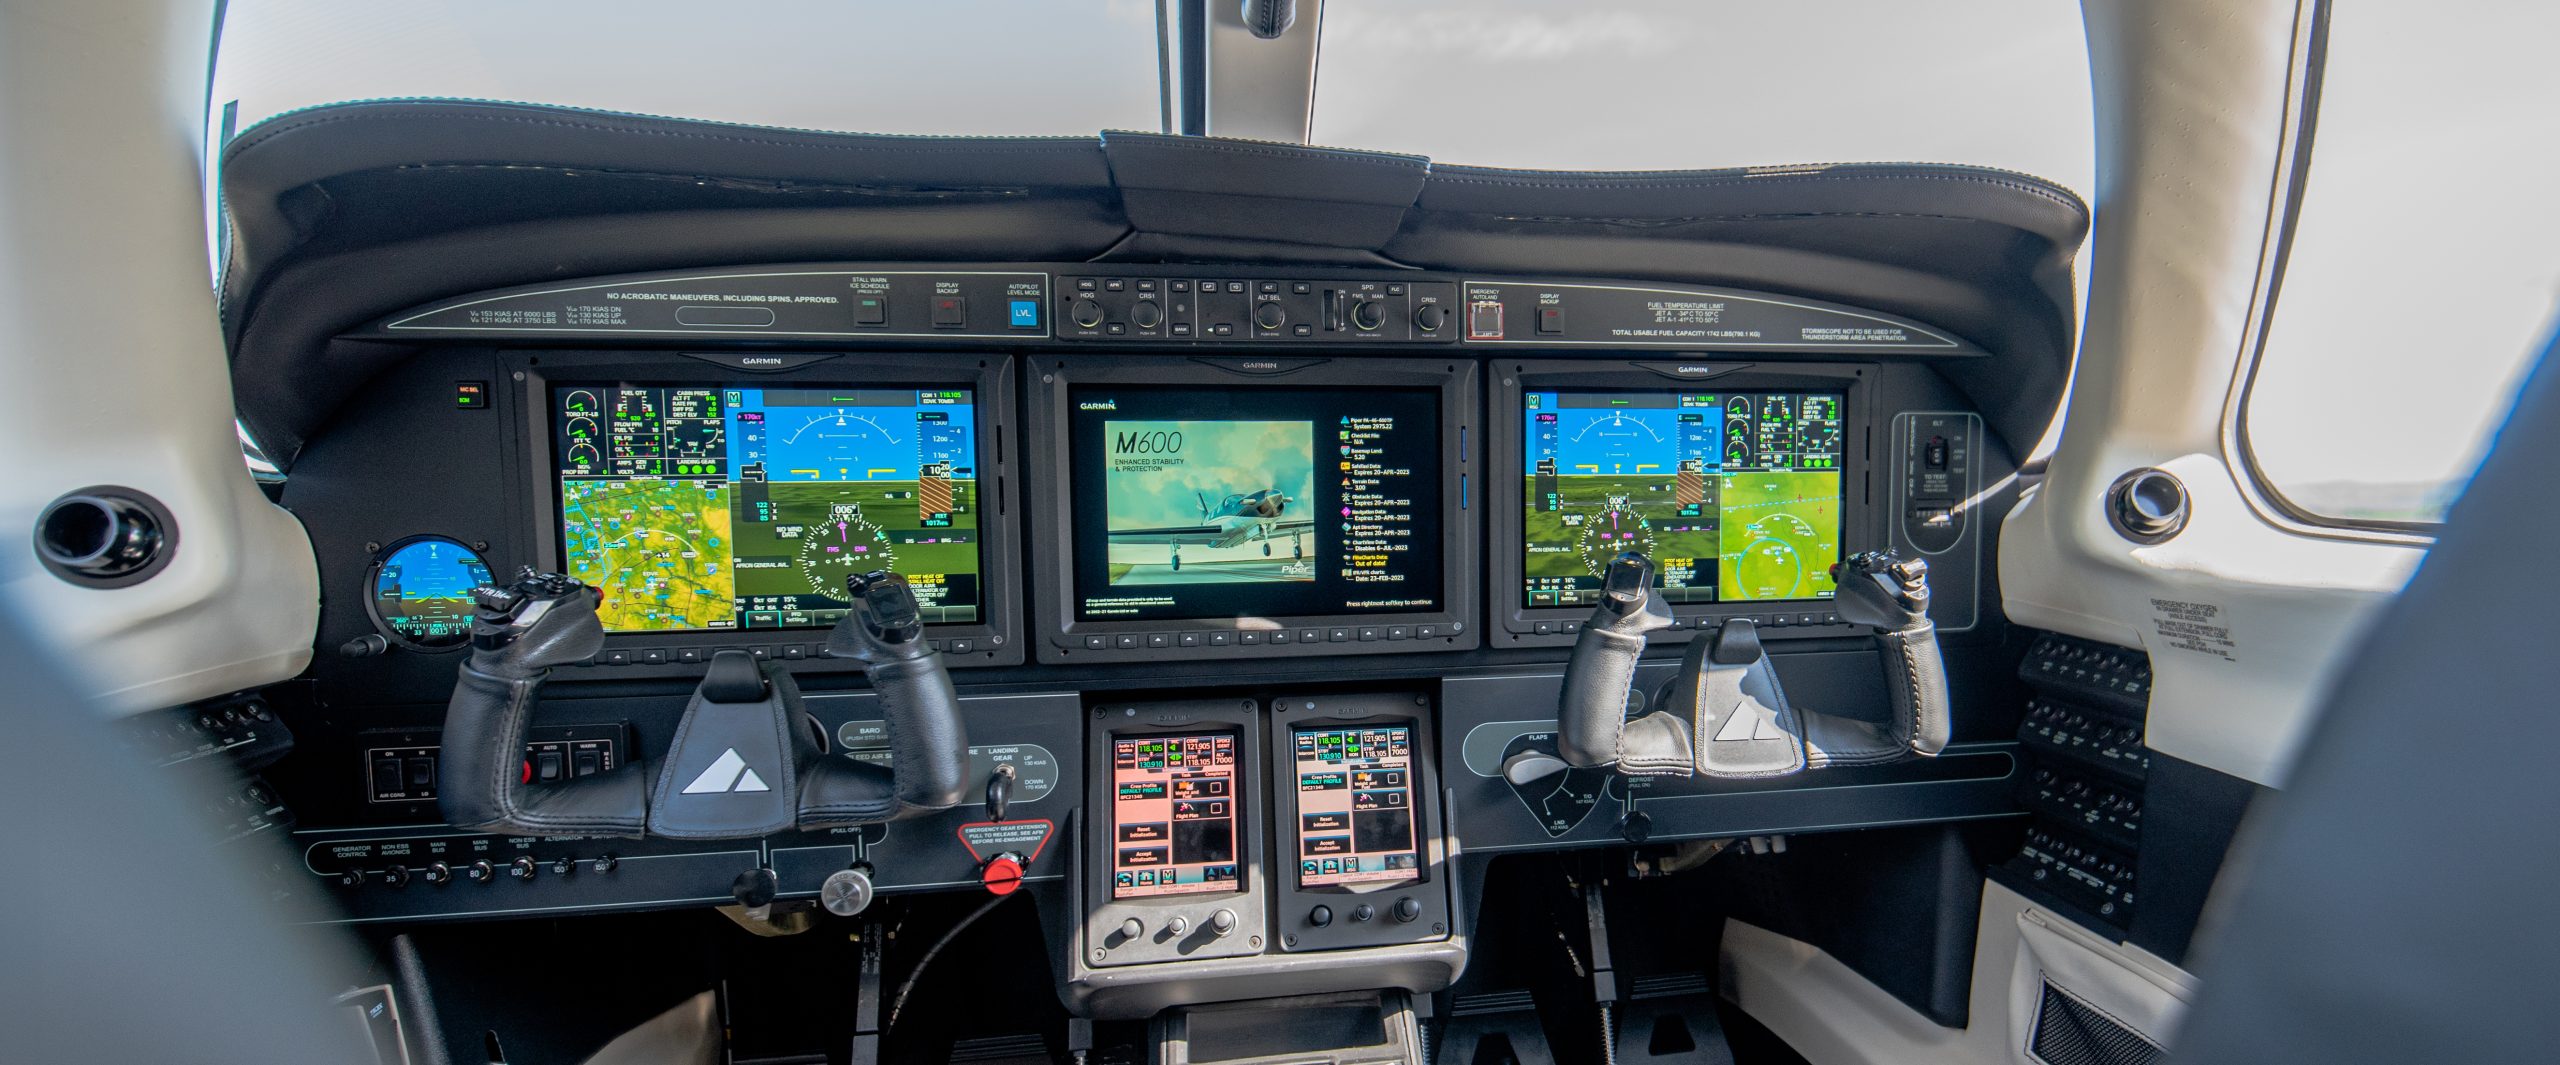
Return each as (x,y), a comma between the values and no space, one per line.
(2421,276)
(954,67)
(1690,84)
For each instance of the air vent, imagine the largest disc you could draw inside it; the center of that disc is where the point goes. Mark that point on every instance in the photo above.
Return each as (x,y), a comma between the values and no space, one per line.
(2071,1032)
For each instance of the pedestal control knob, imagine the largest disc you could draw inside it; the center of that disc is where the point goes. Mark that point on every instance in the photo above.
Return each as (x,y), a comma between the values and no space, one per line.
(1529,767)
(521,868)
(1270,316)
(396,876)
(1222,922)
(437,873)
(1001,875)
(1320,916)
(1407,909)
(1364,912)
(1085,313)
(1145,314)
(1178,925)
(846,892)
(1368,315)
(1132,928)
(563,866)
(481,871)
(1428,317)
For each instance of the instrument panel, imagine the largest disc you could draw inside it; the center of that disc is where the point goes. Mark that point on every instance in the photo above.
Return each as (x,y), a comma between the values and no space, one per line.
(1252,578)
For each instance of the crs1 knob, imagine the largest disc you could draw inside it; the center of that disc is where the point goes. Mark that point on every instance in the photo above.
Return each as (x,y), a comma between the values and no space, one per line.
(1145,314)
(1085,313)
(846,892)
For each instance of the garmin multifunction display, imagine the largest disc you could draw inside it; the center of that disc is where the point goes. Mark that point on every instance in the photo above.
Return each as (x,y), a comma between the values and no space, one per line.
(1735,496)
(1175,814)
(736,507)
(422,592)
(1255,502)
(1355,805)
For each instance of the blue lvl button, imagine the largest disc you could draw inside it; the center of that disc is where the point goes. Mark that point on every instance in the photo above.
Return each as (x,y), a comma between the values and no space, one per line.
(1026,314)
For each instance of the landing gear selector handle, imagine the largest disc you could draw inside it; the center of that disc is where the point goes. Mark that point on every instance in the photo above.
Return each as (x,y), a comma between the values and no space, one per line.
(1725,714)
(518,632)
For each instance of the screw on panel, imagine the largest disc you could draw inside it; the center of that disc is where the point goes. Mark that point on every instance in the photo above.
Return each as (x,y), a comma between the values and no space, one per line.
(1098,955)
(372,547)
(519,375)
(1439,929)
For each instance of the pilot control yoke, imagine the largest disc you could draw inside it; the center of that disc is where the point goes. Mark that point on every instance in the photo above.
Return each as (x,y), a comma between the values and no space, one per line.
(744,761)
(1725,714)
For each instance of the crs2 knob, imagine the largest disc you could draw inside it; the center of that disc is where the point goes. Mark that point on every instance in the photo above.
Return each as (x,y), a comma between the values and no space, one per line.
(1428,317)
(846,892)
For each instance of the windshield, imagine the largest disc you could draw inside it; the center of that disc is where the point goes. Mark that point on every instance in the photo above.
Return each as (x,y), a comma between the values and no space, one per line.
(992,67)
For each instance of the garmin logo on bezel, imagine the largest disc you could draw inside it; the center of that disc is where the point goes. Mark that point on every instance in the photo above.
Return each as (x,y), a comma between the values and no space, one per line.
(759,360)
(1694,370)
(1102,404)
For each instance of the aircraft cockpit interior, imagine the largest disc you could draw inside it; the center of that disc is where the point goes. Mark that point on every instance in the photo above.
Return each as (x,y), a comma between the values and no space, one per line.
(1006,532)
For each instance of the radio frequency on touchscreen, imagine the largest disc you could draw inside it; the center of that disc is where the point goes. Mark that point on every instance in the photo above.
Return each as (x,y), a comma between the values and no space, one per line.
(1174,811)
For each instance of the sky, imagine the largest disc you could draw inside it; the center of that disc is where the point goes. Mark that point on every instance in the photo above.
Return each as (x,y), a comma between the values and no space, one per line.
(2364,378)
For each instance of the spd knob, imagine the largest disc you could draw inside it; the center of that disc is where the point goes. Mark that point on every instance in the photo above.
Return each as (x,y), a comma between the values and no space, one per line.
(1368,315)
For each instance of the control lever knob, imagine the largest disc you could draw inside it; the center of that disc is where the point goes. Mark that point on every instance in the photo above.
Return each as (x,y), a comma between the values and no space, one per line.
(755,887)
(1000,790)
(846,892)
(1528,767)
(1222,922)
(1132,928)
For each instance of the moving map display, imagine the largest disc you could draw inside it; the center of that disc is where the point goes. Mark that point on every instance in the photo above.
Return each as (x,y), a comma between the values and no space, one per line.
(712,507)
(1254,502)
(1735,496)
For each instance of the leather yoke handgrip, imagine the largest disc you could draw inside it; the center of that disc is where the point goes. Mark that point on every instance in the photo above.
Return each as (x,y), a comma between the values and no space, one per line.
(518,634)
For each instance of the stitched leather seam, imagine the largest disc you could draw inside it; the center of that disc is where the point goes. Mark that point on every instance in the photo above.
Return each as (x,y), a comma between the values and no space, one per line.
(252,143)
(1792,179)
(1279,153)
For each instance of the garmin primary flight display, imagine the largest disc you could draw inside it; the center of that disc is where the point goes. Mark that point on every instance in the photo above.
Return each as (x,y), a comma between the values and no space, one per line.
(1254,502)
(1355,805)
(1735,496)
(737,507)
(1174,812)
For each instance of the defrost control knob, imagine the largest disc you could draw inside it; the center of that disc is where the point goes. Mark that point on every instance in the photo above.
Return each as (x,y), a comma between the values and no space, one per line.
(846,892)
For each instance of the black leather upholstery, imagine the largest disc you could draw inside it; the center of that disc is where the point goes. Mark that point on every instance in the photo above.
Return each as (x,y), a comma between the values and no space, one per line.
(2394,902)
(481,771)
(732,771)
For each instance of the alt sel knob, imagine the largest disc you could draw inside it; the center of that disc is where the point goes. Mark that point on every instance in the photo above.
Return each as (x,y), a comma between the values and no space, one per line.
(1270,316)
